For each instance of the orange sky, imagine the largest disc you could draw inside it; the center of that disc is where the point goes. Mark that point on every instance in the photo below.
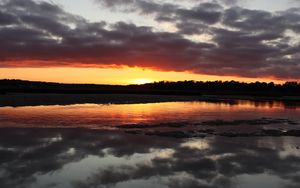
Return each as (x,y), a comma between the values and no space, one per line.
(121,76)
(97,41)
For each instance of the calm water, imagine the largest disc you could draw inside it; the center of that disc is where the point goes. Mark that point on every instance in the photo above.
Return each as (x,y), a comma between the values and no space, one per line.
(54,156)
(106,116)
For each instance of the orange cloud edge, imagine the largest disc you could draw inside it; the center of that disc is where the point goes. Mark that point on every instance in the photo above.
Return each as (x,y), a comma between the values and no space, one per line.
(111,74)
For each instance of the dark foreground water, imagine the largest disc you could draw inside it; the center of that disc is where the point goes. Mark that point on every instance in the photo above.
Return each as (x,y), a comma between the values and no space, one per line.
(174,144)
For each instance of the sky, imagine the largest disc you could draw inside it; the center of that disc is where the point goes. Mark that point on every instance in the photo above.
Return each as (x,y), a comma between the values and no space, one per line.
(139,41)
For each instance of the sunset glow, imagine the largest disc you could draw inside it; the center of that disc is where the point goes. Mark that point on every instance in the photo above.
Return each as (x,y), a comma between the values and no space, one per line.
(142,81)
(122,76)
(149,93)
(100,41)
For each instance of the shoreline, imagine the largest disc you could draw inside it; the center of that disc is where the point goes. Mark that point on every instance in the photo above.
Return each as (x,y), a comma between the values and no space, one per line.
(38,99)
(175,134)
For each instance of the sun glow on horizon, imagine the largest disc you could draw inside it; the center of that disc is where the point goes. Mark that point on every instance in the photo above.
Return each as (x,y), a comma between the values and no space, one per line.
(114,76)
(141,81)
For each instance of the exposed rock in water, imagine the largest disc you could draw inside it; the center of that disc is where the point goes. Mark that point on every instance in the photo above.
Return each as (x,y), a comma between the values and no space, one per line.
(160,125)
(261,121)
(176,134)
(205,133)
(292,133)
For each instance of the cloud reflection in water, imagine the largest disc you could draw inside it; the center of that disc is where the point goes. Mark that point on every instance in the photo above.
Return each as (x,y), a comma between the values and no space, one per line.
(86,158)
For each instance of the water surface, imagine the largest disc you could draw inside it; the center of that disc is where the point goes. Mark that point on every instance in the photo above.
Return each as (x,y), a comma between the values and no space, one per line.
(40,158)
(85,146)
(99,116)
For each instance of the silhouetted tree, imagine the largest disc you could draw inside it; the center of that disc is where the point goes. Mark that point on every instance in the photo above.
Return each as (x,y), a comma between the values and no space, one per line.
(164,87)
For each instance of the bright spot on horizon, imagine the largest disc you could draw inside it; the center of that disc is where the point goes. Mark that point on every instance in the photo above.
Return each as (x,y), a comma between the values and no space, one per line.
(141,81)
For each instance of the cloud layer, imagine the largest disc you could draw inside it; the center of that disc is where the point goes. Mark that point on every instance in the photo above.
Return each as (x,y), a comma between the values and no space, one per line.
(231,40)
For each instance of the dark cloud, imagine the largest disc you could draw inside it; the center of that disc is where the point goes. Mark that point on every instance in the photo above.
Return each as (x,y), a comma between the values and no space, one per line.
(230,2)
(116,2)
(250,43)
(7,19)
(209,13)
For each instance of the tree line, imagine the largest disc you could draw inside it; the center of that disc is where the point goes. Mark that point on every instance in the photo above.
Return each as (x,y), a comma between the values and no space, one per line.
(162,87)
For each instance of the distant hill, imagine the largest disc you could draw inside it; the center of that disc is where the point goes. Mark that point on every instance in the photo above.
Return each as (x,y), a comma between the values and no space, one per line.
(168,88)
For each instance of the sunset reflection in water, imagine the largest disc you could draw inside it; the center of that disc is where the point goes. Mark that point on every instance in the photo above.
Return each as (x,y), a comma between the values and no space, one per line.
(109,115)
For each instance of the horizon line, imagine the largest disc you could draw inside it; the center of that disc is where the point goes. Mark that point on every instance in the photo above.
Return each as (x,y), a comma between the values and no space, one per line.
(166,81)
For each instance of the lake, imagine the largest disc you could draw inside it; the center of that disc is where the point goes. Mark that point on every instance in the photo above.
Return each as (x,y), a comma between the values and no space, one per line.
(236,143)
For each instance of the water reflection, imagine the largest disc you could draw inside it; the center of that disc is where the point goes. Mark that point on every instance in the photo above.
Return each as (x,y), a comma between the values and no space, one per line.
(31,157)
(65,158)
(99,116)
